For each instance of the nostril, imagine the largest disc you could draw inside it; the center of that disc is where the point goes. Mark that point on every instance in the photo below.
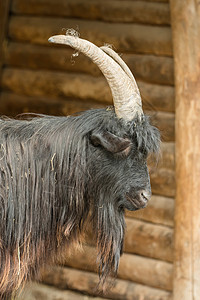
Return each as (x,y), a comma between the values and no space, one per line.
(146,195)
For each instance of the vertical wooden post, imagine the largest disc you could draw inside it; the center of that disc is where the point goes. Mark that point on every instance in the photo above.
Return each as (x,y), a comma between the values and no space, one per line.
(185,16)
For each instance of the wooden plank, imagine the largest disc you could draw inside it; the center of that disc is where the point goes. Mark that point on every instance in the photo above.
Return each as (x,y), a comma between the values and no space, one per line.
(86,282)
(145,239)
(35,291)
(160,210)
(4,12)
(148,68)
(60,85)
(143,270)
(124,37)
(186,33)
(109,11)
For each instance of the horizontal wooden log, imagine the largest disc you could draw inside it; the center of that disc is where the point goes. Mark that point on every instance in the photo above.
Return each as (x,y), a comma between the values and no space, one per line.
(60,85)
(157,97)
(29,56)
(151,68)
(160,210)
(146,239)
(165,160)
(109,11)
(86,282)
(56,85)
(35,291)
(165,1)
(163,182)
(13,104)
(148,68)
(124,37)
(148,271)
(149,240)
(166,127)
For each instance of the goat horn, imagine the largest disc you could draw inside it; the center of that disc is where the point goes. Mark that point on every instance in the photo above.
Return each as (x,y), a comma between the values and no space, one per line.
(125,92)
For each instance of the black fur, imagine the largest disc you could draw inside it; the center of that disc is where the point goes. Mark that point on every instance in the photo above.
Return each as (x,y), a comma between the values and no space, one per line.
(54,173)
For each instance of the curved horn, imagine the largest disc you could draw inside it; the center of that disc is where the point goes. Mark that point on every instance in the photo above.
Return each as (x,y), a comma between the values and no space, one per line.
(126,95)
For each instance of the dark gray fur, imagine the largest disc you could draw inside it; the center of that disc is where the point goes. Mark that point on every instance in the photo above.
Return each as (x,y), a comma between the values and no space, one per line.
(54,173)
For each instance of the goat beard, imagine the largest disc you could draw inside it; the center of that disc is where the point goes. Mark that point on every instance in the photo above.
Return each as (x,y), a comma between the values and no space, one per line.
(109,226)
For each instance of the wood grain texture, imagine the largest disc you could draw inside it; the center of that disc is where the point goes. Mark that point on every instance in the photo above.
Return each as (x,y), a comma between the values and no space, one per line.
(86,282)
(109,11)
(185,16)
(35,291)
(124,37)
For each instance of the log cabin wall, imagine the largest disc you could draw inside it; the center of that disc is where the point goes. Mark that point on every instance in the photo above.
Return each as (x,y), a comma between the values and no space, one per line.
(43,78)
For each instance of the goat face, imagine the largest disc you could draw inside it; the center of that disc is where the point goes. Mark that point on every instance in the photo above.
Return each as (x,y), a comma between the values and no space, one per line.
(119,163)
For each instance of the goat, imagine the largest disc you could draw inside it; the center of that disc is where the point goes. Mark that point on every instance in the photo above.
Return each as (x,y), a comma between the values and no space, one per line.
(56,172)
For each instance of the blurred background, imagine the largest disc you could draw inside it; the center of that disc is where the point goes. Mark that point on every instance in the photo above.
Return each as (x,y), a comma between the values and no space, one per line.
(39,77)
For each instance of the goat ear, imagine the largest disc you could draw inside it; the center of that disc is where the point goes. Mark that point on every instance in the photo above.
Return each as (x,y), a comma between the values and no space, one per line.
(111,142)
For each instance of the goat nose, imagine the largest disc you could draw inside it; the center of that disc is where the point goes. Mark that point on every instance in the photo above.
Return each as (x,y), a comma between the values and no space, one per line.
(145,195)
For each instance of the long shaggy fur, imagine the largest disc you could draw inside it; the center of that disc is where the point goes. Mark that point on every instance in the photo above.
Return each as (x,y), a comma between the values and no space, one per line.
(52,178)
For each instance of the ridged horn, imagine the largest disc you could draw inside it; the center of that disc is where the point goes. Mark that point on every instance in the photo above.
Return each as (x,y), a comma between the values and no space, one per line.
(126,96)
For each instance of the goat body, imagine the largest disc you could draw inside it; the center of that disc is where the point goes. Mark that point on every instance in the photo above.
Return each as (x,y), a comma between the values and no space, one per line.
(57,171)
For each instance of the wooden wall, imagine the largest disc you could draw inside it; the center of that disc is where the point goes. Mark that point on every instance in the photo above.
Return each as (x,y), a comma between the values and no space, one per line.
(38,77)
